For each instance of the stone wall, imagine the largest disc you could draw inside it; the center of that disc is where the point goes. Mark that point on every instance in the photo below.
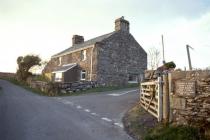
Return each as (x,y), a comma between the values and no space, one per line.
(53,89)
(119,56)
(190,97)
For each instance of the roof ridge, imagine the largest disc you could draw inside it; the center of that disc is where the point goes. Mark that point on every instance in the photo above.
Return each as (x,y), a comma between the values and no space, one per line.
(98,37)
(84,44)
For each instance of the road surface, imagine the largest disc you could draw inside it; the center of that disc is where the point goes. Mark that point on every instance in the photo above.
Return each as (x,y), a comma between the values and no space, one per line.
(28,116)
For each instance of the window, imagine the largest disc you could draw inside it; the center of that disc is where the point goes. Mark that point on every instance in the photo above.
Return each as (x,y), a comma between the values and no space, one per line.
(58,77)
(83,55)
(132,78)
(83,74)
(60,60)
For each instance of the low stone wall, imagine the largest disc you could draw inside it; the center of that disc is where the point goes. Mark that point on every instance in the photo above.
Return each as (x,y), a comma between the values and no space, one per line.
(39,85)
(55,88)
(190,97)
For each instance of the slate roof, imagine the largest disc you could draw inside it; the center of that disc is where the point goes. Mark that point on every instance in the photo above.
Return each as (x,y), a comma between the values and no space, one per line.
(65,68)
(85,44)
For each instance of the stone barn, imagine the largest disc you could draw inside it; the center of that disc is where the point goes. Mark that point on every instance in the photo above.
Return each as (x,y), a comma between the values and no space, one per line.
(115,58)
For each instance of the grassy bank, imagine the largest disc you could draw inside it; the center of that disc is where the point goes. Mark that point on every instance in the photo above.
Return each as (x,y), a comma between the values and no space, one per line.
(142,126)
(138,122)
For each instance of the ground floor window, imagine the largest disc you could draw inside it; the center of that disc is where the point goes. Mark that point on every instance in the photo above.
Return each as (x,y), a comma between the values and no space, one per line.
(58,77)
(132,78)
(83,74)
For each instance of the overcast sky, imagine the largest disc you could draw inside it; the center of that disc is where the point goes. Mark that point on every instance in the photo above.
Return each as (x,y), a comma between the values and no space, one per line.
(45,27)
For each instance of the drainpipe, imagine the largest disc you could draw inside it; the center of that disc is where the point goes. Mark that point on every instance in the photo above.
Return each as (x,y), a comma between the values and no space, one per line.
(91,63)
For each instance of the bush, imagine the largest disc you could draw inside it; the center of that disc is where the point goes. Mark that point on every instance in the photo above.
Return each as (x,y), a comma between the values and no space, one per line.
(40,78)
(170,65)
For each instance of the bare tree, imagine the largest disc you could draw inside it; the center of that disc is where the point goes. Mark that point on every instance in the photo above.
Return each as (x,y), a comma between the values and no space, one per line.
(208,68)
(153,58)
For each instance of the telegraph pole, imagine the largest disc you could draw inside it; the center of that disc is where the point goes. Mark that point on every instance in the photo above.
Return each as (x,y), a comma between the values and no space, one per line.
(188,55)
(163,50)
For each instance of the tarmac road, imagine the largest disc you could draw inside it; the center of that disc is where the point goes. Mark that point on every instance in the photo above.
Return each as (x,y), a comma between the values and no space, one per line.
(28,116)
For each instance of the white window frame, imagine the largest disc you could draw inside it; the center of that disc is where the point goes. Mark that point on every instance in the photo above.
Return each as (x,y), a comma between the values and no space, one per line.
(60,61)
(83,72)
(83,55)
(58,76)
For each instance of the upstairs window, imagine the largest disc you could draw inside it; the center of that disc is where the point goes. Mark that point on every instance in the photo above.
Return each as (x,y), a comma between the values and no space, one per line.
(60,61)
(83,74)
(83,55)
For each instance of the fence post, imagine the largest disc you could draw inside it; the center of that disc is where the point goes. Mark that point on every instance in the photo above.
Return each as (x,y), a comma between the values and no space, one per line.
(165,98)
(160,99)
(170,96)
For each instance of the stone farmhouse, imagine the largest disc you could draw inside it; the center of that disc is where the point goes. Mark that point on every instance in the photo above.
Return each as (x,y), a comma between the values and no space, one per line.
(115,58)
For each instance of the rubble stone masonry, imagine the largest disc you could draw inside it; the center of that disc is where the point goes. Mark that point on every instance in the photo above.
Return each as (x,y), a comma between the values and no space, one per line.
(192,105)
(118,57)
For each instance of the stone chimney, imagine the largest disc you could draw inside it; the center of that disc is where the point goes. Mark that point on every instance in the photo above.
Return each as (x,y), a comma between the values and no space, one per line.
(121,24)
(77,39)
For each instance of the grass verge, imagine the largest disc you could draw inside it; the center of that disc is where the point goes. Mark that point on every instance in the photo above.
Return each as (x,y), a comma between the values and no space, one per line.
(138,122)
(174,133)
(142,126)
(99,89)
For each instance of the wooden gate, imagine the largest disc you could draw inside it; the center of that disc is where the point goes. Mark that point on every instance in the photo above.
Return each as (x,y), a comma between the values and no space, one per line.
(151,97)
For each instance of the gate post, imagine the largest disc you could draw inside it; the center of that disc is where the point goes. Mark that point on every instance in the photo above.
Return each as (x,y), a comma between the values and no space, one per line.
(160,99)
(165,98)
(170,97)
